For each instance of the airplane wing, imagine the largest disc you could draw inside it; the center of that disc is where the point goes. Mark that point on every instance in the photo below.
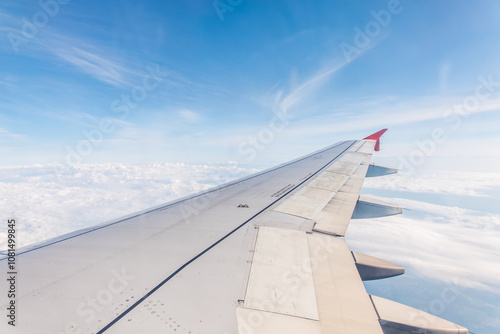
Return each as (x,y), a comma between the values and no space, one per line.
(263,254)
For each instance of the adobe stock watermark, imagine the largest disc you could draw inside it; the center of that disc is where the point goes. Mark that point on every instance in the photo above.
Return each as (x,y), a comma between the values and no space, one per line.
(30,27)
(224,6)
(453,119)
(365,37)
(254,144)
(121,107)
(88,308)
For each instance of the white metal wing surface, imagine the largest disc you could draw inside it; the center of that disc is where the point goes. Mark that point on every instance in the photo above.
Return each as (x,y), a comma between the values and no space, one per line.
(264,254)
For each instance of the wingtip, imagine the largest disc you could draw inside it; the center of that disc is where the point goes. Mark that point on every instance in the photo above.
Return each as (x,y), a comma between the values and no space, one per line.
(376,135)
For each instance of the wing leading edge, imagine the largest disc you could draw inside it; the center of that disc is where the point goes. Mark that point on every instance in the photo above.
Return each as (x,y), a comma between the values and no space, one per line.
(263,254)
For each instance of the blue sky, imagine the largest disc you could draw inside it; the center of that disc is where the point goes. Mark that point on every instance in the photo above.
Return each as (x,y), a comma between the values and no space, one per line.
(224,77)
(189,88)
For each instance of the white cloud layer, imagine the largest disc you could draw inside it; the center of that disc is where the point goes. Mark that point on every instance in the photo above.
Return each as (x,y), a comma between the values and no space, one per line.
(447,242)
(85,195)
(444,242)
(438,182)
(448,246)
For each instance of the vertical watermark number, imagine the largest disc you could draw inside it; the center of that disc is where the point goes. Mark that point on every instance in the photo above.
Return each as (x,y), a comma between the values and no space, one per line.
(11,271)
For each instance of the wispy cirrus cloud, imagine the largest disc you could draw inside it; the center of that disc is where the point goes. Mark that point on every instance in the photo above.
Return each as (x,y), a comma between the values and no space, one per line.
(189,115)
(302,89)
(387,111)
(91,59)
(8,135)
(287,94)
(97,66)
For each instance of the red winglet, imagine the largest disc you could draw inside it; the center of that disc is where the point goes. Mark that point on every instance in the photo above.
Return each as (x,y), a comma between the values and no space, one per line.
(376,136)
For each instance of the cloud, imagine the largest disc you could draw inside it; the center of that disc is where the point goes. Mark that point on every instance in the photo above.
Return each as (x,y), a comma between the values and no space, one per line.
(9,135)
(189,115)
(438,182)
(97,61)
(432,248)
(385,111)
(434,240)
(99,67)
(280,99)
(445,214)
(85,195)
(89,58)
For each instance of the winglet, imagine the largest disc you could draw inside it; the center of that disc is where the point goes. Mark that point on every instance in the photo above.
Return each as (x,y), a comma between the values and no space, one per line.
(376,136)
